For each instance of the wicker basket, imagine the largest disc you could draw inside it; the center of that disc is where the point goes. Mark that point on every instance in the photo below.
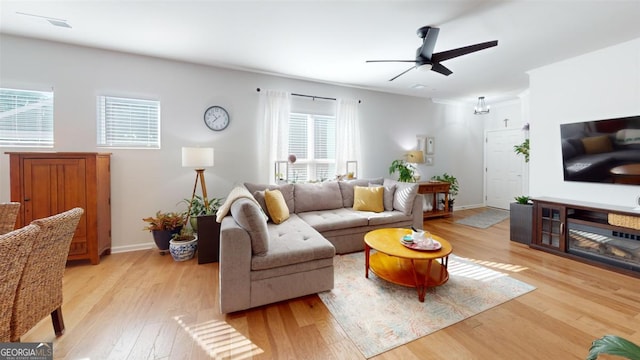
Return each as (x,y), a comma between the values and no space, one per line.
(627,221)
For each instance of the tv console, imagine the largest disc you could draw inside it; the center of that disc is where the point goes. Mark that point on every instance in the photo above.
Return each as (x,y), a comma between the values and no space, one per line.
(603,235)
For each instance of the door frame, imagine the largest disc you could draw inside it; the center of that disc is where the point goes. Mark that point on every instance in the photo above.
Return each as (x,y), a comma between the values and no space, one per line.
(524,185)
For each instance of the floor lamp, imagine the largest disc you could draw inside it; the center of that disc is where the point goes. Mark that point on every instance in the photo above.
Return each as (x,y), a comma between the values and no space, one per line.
(198,158)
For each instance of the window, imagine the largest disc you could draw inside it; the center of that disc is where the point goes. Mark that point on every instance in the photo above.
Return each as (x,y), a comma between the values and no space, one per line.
(312,139)
(26,118)
(128,123)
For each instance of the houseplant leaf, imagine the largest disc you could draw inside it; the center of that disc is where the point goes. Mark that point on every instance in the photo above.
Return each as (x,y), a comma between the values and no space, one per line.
(614,345)
(404,169)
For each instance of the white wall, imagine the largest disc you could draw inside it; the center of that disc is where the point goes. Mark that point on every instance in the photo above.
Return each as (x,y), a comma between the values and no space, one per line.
(459,151)
(599,85)
(144,181)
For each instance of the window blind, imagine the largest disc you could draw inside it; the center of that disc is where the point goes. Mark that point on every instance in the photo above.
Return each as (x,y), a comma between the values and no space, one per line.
(312,139)
(298,140)
(128,123)
(26,118)
(325,138)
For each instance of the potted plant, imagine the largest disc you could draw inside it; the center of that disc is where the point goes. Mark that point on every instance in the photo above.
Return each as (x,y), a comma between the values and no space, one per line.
(203,221)
(183,244)
(162,226)
(198,208)
(523,149)
(406,171)
(454,187)
(521,220)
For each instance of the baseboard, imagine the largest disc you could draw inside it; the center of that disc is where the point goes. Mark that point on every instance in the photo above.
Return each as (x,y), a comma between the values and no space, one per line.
(136,247)
(466,207)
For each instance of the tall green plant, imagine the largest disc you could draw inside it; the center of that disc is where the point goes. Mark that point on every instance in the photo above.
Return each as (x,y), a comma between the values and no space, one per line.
(198,208)
(405,170)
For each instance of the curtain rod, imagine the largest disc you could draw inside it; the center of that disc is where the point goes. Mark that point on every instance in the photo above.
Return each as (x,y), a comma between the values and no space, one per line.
(313,96)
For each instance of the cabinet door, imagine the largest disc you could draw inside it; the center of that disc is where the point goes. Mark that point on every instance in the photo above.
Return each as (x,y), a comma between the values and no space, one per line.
(52,186)
(550,227)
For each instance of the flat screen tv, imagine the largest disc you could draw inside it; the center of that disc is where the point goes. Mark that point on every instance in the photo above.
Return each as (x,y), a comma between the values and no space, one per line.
(602,151)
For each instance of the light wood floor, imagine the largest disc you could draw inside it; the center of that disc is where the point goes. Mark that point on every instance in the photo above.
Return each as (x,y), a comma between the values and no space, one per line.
(141,305)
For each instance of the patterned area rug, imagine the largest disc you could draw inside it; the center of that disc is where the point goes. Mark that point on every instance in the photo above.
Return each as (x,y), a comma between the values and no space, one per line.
(485,219)
(379,316)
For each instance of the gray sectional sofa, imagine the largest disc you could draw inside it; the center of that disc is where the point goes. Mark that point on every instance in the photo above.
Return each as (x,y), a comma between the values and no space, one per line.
(262,262)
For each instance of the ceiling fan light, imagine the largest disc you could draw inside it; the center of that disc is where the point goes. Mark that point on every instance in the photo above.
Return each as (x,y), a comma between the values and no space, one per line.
(424,67)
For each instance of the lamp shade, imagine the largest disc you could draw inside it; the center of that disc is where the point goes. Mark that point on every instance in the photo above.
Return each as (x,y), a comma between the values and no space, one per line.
(415,156)
(197,157)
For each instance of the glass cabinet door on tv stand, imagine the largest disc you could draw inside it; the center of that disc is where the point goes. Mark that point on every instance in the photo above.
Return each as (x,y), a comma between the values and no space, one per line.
(550,227)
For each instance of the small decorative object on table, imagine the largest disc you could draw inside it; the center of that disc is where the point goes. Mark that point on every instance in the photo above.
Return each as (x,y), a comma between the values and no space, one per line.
(352,169)
(420,240)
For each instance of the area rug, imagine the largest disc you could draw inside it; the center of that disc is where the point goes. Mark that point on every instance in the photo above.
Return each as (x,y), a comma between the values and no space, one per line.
(379,316)
(485,219)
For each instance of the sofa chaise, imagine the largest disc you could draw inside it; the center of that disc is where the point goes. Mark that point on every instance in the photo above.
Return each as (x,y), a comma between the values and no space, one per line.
(274,250)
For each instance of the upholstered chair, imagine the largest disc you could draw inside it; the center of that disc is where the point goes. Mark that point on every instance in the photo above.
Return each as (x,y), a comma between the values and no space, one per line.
(8,216)
(39,292)
(15,247)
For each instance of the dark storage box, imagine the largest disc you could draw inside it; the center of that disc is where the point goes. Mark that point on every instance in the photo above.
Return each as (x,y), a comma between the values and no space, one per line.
(520,224)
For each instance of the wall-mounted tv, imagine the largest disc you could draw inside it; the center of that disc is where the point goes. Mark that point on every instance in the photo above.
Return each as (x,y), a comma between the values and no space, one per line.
(602,151)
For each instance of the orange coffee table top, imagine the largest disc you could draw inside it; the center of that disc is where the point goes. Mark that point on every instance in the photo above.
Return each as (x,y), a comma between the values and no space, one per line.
(388,241)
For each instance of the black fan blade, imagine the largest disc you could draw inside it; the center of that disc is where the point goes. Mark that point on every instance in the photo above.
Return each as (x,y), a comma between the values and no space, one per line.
(402,73)
(390,61)
(450,54)
(429,42)
(439,68)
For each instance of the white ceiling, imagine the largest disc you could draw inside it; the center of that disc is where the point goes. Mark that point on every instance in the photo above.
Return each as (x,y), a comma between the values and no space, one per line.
(329,41)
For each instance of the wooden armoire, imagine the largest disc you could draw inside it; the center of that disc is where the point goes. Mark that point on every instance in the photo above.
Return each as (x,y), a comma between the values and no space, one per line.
(48,183)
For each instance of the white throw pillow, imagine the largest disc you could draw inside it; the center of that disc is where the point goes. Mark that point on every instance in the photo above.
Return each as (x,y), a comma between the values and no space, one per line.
(404,195)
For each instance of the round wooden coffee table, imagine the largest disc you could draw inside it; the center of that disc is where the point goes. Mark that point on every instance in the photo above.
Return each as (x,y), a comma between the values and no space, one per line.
(401,265)
(626,174)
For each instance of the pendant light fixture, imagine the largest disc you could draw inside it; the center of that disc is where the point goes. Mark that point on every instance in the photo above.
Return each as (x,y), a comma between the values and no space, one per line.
(482,107)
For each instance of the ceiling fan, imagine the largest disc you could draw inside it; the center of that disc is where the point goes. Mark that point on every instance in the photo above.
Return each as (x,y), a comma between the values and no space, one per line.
(427,60)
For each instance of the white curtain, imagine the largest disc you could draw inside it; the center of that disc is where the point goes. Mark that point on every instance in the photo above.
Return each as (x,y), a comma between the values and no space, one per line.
(347,135)
(277,105)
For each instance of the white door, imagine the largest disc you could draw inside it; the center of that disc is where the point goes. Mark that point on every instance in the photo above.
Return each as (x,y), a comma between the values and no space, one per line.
(503,167)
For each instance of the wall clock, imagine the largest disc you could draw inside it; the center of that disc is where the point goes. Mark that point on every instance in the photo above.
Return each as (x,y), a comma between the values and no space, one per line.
(216,118)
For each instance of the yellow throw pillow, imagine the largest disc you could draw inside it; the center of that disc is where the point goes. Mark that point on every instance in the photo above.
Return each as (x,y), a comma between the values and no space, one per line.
(368,198)
(597,144)
(277,207)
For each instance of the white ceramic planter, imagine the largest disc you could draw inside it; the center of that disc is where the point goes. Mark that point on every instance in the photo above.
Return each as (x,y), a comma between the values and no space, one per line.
(183,250)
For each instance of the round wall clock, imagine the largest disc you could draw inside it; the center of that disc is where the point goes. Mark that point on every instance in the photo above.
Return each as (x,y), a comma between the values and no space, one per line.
(216,118)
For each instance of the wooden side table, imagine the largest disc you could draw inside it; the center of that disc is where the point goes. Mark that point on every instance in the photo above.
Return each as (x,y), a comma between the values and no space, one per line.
(435,188)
